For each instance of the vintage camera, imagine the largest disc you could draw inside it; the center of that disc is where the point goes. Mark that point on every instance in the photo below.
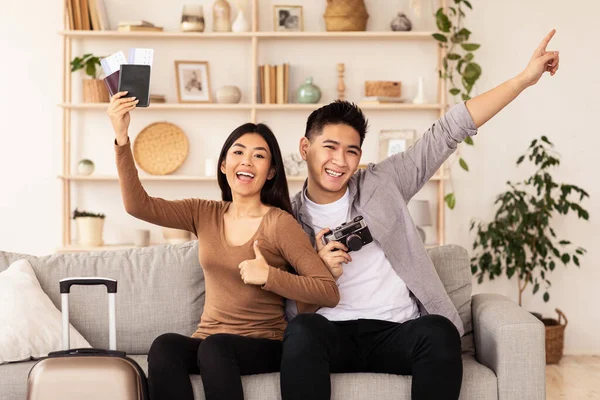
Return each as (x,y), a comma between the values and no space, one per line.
(353,234)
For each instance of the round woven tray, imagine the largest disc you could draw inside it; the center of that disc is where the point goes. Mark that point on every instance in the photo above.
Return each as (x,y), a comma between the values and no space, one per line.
(160,148)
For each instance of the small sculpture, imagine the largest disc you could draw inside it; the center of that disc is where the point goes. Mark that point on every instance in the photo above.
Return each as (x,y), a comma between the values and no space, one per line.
(401,23)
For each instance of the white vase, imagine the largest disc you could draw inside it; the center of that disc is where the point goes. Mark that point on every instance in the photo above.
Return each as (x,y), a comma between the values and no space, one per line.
(89,231)
(420,97)
(241,23)
(229,94)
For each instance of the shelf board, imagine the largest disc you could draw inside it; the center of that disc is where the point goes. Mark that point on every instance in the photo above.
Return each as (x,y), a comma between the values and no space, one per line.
(113,34)
(264,107)
(161,106)
(160,178)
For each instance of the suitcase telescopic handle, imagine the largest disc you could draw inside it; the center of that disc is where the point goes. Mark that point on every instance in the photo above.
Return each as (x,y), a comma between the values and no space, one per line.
(111,288)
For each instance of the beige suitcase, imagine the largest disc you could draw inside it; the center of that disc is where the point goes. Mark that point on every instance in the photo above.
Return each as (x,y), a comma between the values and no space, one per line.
(88,374)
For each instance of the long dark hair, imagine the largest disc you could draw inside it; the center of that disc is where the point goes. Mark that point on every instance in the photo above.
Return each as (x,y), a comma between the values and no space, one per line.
(275,191)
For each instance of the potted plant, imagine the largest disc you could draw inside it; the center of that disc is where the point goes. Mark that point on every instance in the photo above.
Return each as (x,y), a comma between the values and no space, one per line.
(89,228)
(520,240)
(94,89)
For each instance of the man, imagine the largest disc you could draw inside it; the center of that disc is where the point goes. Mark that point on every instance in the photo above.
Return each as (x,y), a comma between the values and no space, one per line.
(394,315)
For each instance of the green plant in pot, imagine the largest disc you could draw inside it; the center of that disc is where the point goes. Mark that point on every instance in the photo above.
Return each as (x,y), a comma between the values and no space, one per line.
(90,227)
(520,240)
(94,89)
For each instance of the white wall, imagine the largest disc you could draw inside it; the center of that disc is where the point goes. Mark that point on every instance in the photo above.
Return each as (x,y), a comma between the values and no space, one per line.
(561,107)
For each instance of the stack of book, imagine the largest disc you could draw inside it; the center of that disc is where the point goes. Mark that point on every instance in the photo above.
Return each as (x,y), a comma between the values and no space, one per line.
(381,100)
(273,84)
(157,98)
(87,15)
(138,26)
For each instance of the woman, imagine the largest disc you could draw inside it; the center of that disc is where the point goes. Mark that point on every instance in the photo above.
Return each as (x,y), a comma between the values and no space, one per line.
(245,244)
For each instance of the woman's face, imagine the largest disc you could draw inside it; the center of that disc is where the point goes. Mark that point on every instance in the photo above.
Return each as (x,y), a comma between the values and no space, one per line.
(247,165)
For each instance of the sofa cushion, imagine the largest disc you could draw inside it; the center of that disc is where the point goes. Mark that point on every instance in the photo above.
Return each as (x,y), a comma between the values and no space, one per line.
(452,265)
(160,289)
(30,325)
(479,383)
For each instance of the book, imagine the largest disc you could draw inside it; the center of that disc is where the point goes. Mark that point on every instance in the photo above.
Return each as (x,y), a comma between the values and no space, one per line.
(131,28)
(267,79)
(280,84)
(85,15)
(286,83)
(70,17)
(77,15)
(136,23)
(273,84)
(260,83)
(102,17)
(95,21)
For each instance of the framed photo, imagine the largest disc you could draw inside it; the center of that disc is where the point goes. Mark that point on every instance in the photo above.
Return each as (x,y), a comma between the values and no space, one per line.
(288,19)
(193,82)
(393,141)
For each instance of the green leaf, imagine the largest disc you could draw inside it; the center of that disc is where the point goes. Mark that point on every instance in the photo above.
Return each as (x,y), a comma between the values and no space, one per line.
(545,139)
(472,72)
(454,91)
(576,260)
(453,56)
(564,242)
(565,258)
(552,265)
(536,287)
(469,141)
(469,57)
(520,160)
(463,164)
(546,297)
(466,97)
(470,46)
(440,38)
(468,4)
(443,22)
(450,200)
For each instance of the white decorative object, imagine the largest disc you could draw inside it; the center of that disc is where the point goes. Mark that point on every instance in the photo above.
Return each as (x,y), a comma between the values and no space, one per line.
(85,167)
(192,18)
(241,23)
(89,231)
(210,169)
(31,326)
(229,94)
(420,97)
(421,215)
(141,238)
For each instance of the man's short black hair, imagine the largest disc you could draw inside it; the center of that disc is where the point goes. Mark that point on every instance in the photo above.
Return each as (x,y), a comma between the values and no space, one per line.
(338,112)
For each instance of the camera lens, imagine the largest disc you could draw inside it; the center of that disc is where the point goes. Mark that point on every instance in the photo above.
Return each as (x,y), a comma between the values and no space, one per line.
(359,218)
(354,243)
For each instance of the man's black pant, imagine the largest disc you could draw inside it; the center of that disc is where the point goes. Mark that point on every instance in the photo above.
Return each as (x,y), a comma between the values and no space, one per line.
(428,348)
(220,359)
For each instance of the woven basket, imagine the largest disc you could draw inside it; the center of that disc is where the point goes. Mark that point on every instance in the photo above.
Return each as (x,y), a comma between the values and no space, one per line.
(94,91)
(555,337)
(346,15)
(383,88)
(160,148)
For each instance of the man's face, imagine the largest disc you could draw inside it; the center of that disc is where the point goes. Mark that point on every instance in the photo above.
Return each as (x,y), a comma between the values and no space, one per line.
(332,158)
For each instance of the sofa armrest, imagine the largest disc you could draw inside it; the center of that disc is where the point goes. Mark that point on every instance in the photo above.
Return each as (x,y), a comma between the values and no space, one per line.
(511,342)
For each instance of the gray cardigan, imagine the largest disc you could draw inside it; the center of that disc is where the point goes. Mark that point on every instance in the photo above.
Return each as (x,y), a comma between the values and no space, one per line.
(381,192)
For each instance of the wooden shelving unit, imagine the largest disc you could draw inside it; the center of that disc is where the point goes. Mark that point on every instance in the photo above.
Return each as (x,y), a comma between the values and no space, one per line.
(253,38)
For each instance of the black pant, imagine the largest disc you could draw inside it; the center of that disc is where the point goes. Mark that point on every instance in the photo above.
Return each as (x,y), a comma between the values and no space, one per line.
(220,359)
(428,348)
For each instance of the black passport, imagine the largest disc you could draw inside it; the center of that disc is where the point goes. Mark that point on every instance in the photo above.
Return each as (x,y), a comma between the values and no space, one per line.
(135,78)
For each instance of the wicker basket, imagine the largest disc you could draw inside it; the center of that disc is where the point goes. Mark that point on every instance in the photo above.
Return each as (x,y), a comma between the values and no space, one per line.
(94,91)
(383,88)
(555,337)
(160,148)
(346,15)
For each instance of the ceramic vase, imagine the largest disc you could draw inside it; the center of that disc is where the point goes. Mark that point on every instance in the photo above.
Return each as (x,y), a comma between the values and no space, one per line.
(308,93)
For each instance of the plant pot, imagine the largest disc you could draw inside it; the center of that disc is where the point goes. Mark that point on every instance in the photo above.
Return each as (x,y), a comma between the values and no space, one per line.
(95,91)
(176,236)
(555,337)
(346,15)
(89,231)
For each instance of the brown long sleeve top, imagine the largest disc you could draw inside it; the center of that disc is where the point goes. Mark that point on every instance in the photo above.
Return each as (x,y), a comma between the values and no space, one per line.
(232,306)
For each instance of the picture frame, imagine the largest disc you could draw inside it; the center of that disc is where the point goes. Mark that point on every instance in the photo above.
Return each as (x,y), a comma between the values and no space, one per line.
(193,82)
(394,141)
(288,18)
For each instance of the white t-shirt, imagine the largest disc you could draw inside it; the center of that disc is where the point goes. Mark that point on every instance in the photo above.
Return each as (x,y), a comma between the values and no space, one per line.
(369,287)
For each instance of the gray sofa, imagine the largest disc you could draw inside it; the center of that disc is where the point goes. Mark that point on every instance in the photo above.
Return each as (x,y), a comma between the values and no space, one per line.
(161,289)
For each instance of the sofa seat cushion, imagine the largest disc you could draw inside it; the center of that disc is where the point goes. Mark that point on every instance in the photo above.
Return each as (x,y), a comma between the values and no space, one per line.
(479,383)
